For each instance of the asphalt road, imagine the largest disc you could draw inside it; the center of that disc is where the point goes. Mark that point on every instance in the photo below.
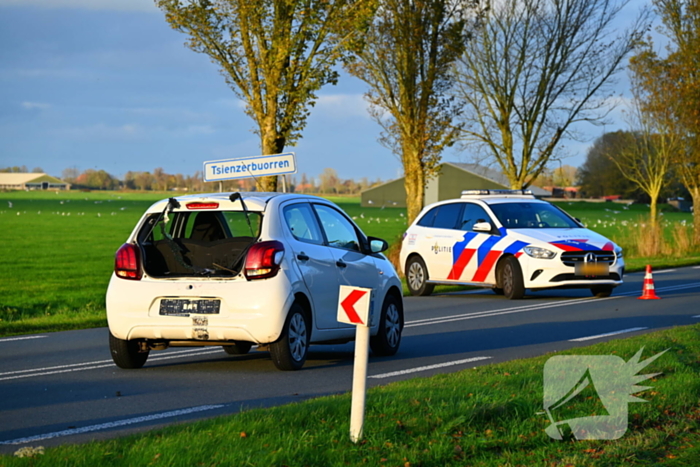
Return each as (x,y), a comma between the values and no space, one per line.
(62,387)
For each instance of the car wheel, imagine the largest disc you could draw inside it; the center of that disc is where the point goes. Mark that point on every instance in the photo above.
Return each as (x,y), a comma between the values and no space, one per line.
(388,338)
(126,354)
(238,348)
(289,351)
(511,278)
(417,277)
(602,291)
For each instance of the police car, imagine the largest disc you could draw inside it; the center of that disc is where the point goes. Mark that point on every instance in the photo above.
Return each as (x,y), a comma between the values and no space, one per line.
(244,269)
(509,241)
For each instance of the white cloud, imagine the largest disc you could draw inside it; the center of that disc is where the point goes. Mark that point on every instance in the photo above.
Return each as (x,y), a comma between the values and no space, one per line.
(119,5)
(35,105)
(103,131)
(200,130)
(342,105)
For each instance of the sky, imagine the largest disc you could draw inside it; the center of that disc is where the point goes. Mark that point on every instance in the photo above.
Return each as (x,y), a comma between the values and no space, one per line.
(107,84)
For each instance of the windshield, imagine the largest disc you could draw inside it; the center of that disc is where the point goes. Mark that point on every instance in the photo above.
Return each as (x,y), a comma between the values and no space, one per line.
(527,215)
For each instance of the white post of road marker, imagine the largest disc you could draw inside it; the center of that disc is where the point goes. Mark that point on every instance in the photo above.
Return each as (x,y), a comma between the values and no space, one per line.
(353,308)
(359,383)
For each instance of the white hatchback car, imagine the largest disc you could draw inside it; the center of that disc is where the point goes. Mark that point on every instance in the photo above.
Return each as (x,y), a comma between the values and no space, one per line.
(510,241)
(244,269)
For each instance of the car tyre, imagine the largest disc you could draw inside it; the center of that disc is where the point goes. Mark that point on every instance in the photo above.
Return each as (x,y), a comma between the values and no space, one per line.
(386,342)
(127,354)
(290,350)
(602,291)
(511,278)
(238,348)
(417,277)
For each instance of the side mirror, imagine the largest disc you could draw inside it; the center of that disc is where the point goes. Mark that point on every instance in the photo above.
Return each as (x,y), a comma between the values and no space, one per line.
(485,227)
(377,245)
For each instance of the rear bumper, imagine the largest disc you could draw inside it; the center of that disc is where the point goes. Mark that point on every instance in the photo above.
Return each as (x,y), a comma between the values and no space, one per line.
(252,311)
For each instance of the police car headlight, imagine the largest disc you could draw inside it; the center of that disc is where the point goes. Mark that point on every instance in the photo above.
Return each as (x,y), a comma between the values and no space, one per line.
(539,253)
(618,252)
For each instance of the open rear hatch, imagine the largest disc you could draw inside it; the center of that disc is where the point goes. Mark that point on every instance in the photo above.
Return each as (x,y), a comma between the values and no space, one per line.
(197,242)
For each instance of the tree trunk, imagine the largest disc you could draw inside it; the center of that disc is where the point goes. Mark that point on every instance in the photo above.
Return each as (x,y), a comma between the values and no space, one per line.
(271,143)
(415,188)
(653,216)
(695,193)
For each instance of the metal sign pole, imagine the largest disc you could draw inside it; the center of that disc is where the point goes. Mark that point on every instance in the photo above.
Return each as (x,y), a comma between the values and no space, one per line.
(359,383)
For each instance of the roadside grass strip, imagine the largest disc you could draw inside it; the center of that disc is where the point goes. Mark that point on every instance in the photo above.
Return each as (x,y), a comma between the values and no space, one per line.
(485,416)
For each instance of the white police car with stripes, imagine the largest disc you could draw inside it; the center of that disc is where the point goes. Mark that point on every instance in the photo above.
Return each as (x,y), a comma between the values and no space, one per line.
(509,241)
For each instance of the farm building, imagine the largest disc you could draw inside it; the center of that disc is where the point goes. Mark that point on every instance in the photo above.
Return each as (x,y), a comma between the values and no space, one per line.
(31,181)
(451,180)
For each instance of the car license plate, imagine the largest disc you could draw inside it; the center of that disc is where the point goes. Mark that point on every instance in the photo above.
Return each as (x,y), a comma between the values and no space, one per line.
(592,269)
(172,306)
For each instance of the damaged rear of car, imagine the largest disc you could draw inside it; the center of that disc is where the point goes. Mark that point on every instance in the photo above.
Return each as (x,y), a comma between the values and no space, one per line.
(218,269)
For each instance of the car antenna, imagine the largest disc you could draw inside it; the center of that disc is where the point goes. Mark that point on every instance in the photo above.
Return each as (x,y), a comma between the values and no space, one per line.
(237,196)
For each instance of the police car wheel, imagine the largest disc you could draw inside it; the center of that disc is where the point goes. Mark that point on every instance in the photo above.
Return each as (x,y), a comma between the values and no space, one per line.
(511,278)
(238,348)
(388,338)
(127,354)
(289,351)
(602,291)
(417,277)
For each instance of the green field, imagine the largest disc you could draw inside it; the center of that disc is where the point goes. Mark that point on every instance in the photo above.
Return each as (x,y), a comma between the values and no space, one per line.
(58,249)
(487,416)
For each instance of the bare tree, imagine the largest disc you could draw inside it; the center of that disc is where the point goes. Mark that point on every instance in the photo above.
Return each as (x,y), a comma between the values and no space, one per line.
(406,58)
(647,158)
(672,84)
(537,68)
(274,54)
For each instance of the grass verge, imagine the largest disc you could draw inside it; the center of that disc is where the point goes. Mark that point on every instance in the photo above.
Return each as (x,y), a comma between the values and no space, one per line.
(486,416)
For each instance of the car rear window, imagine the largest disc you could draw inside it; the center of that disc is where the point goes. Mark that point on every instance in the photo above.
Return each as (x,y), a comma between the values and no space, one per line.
(186,243)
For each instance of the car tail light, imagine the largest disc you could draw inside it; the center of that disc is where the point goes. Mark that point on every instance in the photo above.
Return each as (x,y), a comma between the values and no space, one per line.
(127,262)
(263,260)
(198,206)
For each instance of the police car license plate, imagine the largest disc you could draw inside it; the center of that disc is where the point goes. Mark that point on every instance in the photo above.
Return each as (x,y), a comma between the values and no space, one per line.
(176,306)
(592,269)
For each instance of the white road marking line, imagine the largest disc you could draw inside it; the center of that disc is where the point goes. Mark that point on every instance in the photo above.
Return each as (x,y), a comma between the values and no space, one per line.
(599,336)
(664,271)
(533,307)
(502,311)
(696,267)
(92,365)
(429,367)
(24,338)
(115,424)
(696,316)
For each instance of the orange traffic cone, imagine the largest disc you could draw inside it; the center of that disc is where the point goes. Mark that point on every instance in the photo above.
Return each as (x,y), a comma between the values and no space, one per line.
(648,288)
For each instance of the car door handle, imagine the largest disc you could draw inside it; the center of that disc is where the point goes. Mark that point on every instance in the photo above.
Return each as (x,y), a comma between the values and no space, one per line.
(341,264)
(302,257)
